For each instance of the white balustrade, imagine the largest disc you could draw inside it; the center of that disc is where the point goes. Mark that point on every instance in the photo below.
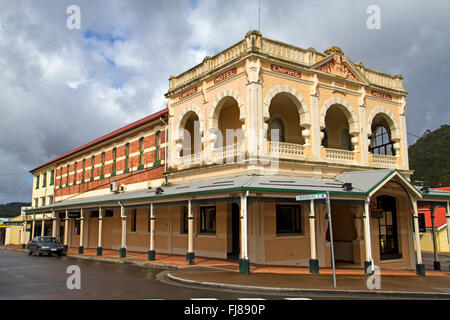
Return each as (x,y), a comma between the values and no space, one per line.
(385,161)
(285,150)
(339,154)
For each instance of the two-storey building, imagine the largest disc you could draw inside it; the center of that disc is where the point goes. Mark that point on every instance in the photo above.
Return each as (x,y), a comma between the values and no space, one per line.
(247,131)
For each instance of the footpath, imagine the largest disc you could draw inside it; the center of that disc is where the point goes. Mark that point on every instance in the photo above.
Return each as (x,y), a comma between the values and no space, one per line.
(217,273)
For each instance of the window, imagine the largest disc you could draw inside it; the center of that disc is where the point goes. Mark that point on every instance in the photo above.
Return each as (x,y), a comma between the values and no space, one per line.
(43,201)
(60,177)
(114,155)
(325,138)
(185,221)
(103,166)
(52,177)
(277,125)
(92,167)
(50,199)
(380,141)
(75,173)
(67,182)
(36,202)
(109,213)
(94,214)
(208,219)
(133,221)
(141,153)
(77,227)
(346,140)
(37,182)
(84,170)
(157,146)
(127,157)
(44,179)
(288,219)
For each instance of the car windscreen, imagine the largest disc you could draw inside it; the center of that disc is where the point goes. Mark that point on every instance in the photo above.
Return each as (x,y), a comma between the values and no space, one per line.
(47,240)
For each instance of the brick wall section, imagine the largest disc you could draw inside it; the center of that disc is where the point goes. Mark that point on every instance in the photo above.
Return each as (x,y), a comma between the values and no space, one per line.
(151,171)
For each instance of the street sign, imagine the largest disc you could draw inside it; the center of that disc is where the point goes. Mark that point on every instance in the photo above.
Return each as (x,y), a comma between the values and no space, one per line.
(314,196)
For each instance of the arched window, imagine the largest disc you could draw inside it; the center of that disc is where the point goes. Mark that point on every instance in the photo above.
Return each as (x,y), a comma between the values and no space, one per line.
(277,124)
(380,141)
(346,142)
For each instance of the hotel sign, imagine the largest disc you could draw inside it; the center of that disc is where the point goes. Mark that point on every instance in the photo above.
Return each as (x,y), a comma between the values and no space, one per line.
(381,95)
(286,71)
(225,75)
(188,93)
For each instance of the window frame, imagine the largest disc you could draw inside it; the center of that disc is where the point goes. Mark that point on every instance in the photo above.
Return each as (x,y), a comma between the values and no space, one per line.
(127,157)
(141,153)
(203,228)
(52,177)
(374,146)
(37,181)
(114,156)
(297,230)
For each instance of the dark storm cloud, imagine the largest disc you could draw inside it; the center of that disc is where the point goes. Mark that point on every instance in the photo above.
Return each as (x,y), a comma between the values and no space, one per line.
(62,88)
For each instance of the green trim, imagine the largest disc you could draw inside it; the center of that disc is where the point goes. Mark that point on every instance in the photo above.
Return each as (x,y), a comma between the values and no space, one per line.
(102,176)
(126,170)
(67,184)
(113,174)
(157,163)
(381,181)
(92,179)
(140,167)
(82,182)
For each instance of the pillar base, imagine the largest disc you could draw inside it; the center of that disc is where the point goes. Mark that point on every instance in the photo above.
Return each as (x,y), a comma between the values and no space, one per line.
(123,252)
(99,251)
(244,266)
(66,248)
(420,269)
(367,267)
(151,255)
(437,266)
(190,256)
(80,250)
(313,266)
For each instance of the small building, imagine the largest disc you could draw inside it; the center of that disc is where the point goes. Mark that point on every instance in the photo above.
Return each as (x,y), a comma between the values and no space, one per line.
(440,224)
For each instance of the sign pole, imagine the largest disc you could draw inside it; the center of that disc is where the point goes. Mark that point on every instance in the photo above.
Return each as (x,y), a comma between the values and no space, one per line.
(331,237)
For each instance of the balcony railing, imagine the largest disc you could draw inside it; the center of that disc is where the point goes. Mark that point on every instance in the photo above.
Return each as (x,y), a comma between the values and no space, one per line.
(190,160)
(385,161)
(339,154)
(228,154)
(285,150)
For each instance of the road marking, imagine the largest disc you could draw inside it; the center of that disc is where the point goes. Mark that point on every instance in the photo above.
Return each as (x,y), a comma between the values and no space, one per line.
(297,299)
(251,299)
(204,299)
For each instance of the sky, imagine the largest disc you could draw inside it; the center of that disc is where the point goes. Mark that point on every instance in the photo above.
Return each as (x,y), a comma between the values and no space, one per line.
(61,88)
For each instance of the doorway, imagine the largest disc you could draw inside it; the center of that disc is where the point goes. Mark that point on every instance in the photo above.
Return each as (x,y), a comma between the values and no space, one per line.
(235,247)
(387,226)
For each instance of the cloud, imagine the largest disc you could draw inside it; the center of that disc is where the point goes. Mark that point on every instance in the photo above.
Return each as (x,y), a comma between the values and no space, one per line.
(62,88)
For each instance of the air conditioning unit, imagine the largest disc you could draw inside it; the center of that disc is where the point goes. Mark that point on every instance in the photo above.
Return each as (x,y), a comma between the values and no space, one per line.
(114,187)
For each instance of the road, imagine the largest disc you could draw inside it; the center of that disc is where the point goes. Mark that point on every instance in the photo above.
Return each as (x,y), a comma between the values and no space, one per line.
(428,260)
(33,277)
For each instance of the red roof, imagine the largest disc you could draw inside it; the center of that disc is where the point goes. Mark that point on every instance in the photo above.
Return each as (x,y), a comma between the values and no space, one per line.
(439,216)
(443,188)
(111,135)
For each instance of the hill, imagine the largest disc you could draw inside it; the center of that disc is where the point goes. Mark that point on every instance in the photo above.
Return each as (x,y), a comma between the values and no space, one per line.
(429,157)
(12,209)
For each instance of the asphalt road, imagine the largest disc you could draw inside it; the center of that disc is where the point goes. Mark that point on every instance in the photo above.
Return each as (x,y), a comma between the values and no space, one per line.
(33,277)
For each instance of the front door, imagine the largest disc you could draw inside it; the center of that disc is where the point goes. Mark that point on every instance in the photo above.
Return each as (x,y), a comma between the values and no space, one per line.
(387,226)
(234,255)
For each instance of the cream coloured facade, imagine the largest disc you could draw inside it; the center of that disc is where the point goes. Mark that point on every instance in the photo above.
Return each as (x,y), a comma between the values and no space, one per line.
(245,131)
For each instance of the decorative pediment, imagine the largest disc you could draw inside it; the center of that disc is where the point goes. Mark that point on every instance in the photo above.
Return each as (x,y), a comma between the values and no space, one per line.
(336,66)
(341,66)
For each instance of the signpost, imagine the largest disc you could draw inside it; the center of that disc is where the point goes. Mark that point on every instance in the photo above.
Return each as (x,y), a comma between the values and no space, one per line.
(318,196)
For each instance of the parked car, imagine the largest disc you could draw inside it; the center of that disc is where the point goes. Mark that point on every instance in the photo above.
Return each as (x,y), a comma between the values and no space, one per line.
(45,244)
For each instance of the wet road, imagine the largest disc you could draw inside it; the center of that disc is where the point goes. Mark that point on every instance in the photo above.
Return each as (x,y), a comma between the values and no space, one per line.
(33,277)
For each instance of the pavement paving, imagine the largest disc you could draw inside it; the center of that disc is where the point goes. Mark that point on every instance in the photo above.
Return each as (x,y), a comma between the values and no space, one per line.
(224,274)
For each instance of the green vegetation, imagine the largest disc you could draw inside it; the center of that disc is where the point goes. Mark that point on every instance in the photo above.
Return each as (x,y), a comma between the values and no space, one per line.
(429,157)
(12,209)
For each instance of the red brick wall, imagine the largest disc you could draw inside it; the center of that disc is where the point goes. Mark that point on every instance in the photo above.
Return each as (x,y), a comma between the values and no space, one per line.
(150,172)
